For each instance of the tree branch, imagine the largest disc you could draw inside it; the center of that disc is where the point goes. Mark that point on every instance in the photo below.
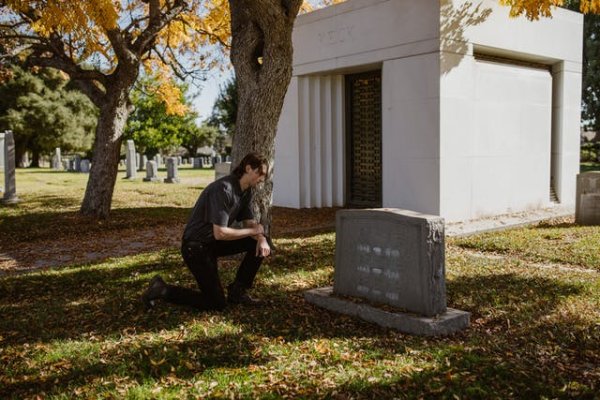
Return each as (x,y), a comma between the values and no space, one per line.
(156,23)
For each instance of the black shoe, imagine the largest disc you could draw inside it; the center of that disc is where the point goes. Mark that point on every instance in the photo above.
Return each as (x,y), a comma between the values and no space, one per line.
(156,290)
(236,294)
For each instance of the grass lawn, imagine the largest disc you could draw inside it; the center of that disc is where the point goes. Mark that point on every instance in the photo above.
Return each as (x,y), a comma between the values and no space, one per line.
(80,331)
(590,166)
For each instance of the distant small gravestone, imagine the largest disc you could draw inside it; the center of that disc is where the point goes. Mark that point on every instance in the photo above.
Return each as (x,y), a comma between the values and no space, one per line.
(222,169)
(393,258)
(197,162)
(151,172)
(84,166)
(25,160)
(2,151)
(158,160)
(77,163)
(141,164)
(587,206)
(130,160)
(172,172)
(57,160)
(10,164)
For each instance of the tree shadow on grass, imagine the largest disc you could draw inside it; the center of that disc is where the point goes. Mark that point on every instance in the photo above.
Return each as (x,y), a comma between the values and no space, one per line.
(518,298)
(78,303)
(58,225)
(68,305)
(53,202)
(180,358)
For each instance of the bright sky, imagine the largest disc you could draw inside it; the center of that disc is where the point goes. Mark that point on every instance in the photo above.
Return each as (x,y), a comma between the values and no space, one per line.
(210,90)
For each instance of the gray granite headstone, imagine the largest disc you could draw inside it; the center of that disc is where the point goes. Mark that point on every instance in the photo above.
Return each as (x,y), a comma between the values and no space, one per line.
(10,164)
(77,163)
(2,151)
(587,206)
(65,164)
(57,159)
(84,166)
(197,162)
(222,169)
(394,258)
(228,159)
(130,160)
(172,173)
(151,172)
(141,163)
(25,160)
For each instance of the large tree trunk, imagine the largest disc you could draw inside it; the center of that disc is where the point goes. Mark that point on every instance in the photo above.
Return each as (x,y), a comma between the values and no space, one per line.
(261,54)
(107,148)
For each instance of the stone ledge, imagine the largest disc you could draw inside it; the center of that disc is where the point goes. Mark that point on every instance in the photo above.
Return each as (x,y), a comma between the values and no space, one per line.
(444,324)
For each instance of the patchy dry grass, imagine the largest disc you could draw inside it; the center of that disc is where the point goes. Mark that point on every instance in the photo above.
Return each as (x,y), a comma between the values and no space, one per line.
(559,241)
(81,331)
(50,202)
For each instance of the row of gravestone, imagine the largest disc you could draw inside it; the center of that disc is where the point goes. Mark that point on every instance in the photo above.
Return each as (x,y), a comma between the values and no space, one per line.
(133,162)
(221,169)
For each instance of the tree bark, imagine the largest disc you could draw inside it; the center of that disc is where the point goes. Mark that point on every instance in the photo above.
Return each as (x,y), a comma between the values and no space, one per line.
(261,54)
(106,151)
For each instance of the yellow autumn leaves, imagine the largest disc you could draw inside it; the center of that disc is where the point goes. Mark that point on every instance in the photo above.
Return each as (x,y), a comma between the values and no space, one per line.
(534,9)
(196,39)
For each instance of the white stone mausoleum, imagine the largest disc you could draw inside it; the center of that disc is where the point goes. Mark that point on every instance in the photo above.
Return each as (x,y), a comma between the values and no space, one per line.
(445,107)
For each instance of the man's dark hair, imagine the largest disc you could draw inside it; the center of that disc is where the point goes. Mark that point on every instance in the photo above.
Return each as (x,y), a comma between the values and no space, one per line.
(254,160)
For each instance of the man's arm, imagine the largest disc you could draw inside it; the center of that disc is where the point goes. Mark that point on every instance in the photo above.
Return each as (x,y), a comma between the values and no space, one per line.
(227,233)
(262,245)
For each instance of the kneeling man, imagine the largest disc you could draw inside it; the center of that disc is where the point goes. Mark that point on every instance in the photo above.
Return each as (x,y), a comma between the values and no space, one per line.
(209,235)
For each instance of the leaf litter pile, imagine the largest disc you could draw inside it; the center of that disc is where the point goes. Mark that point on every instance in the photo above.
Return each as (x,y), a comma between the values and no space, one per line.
(78,330)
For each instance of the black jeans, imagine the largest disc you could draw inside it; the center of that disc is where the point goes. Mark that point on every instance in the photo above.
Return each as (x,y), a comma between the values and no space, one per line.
(201,259)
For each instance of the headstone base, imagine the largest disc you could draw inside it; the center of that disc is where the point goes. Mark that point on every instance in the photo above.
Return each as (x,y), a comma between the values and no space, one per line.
(155,179)
(444,324)
(10,200)
(172,180)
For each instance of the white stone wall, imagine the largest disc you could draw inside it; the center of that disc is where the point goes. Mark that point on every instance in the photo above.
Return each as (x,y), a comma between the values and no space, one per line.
(410,133)
(310,156)
(504,129)
(496,142)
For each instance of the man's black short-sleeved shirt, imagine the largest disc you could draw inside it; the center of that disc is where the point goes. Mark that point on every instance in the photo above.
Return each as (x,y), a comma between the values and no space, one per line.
(221,203)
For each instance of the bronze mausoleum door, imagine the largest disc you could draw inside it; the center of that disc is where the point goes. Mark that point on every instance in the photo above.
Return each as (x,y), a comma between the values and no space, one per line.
(363,124)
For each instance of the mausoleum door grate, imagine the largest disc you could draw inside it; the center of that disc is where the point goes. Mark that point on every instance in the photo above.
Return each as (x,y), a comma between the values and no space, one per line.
(363,113)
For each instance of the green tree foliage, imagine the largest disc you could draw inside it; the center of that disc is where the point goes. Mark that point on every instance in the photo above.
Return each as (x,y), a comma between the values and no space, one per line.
(150,125)
(590,95)
(44,113)
(153,128)
(198,136)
